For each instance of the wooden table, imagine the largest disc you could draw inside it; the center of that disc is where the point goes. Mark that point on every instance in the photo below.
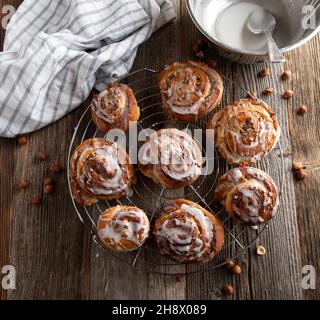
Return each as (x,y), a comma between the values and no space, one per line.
(53,254)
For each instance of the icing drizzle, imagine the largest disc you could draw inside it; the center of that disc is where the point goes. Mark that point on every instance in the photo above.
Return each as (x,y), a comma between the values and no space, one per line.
(186,235)
(175,151)
(130,224)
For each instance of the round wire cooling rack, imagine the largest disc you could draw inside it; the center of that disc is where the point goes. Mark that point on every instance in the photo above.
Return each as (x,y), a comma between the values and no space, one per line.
(150,197)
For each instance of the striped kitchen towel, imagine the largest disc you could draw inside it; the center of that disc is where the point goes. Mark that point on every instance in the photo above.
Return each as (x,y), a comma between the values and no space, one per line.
(55,52)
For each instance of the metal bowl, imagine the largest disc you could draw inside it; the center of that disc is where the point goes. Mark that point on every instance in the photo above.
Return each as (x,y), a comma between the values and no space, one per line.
(297,22)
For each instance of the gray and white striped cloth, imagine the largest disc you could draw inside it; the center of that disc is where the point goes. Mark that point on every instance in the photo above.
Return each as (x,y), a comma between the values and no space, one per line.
(55,52)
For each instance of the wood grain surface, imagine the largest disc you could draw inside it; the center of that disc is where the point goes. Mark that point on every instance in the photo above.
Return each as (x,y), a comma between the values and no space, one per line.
(55,257)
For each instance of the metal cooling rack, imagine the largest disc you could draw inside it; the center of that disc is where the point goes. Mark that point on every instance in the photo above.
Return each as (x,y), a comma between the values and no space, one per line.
(238,238)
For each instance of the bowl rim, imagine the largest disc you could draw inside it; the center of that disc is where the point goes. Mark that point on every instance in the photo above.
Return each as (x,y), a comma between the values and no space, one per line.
(239,51)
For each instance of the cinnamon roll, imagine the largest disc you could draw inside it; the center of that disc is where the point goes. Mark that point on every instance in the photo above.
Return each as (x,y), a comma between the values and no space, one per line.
(100,170)
(115,107)
(171,158)
(250,195)
(186,232)
(123,228)
(245,131)
(189,90)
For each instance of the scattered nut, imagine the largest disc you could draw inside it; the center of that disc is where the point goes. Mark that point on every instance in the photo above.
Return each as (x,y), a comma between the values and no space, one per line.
(42,156)
(301,174)
(236,270)
(252,95)
(179,278)
(23,183)
(230,264)
(265,72)
(288,94)
(22,140)
(212,63)
(302,110)
(228,290)
(55,168)
(268,91)
(200,55)
(261,251)
(48,181)
(48,189)
(286,75)
(297,166)
(36,200)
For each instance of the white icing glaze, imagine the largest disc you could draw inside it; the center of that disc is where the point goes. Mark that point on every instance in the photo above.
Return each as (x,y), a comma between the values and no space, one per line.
(261,141)
(110,104)
(108,158)
(176,153)
(120,228)
(183,239)
(183,95)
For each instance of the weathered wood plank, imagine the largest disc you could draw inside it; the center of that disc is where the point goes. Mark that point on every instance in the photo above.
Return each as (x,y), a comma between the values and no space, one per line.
(7,157)
(305,139)
(49,245)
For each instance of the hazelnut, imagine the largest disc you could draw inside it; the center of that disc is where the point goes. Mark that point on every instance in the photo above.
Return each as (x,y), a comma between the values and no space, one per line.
(296,166)
(179,278)
(301,174)
(228,290)
(261,251)
(268,91)
(302,110)
(23,183)
(212,63)
(48,189)
(265,72)
(48,181)
(286,75)
(41,156)
(236,270)
(55,168)
(288,94)
(22,140)
(230,264)
(36,200)
(252,95)
(200,55)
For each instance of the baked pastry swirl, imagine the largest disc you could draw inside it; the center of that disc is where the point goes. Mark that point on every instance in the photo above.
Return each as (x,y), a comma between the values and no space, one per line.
(250,195)
(189,90)
(123,228)
(186,232)
(115,107)
(100,170)
(171,158)
(245,131)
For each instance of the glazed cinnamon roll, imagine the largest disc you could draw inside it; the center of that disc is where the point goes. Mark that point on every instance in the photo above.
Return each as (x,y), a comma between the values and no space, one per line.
(245,131)
(250,195)
(189,90)
(123,228)
(186,232)
(115,107)
(171,158)
(100,170)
